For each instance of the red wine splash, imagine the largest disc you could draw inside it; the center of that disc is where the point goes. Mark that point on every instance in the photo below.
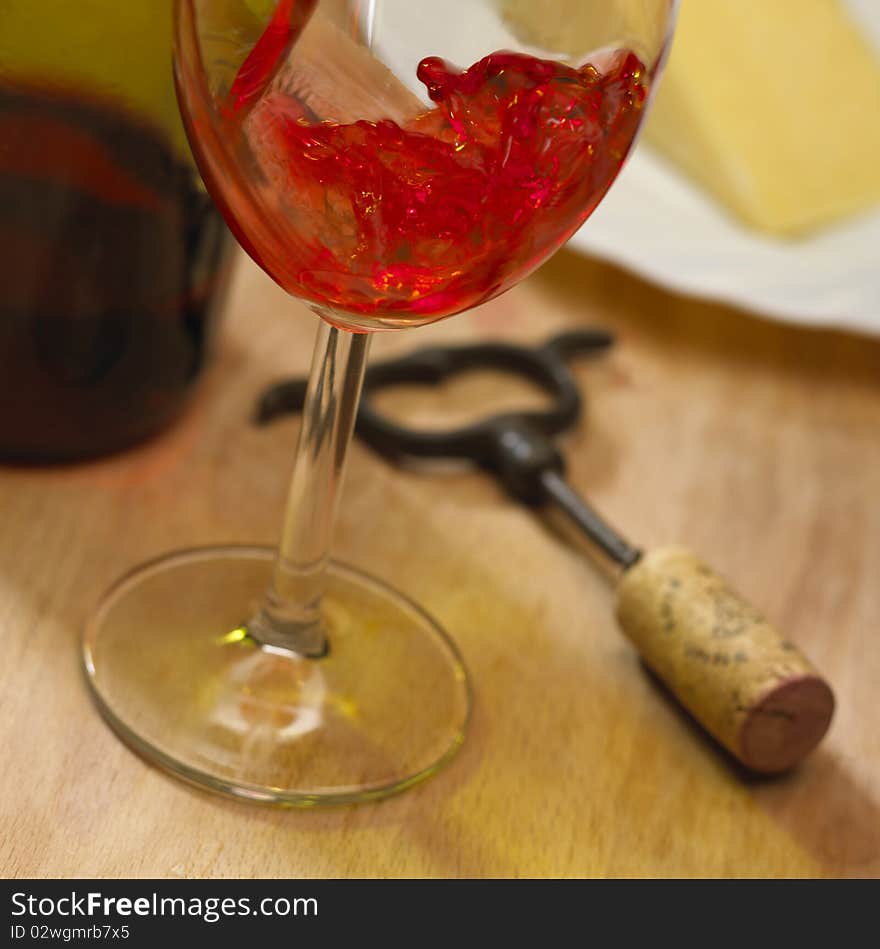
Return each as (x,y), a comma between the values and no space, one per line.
(430,217)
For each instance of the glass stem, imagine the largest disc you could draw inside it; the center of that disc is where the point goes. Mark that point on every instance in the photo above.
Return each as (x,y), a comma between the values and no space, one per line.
(290,615)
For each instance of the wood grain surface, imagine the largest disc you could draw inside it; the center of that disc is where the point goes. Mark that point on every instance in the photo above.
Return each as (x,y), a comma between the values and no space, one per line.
(754,443)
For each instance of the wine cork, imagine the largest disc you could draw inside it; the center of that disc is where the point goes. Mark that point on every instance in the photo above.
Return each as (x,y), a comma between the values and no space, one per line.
(747,685)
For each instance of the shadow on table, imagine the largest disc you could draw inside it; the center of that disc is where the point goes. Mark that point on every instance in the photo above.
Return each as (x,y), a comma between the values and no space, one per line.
(818,803)
(716,332)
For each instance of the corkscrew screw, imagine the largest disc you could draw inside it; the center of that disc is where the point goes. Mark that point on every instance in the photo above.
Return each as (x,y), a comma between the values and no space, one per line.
(749,687)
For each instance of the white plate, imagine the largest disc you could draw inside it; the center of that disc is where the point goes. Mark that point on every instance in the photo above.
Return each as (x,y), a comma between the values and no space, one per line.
(656,224)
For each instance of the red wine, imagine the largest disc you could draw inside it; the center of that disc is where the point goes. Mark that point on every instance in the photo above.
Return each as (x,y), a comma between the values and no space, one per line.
(415,220)
(112,263)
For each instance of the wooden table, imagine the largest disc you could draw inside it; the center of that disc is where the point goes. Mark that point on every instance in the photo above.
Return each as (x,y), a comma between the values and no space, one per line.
(754,442)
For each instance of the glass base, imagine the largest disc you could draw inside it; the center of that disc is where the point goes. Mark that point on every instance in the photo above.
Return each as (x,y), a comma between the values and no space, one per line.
(175,673)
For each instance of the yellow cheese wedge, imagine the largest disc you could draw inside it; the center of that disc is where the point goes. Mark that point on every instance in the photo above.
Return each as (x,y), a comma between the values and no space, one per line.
(573,29)
(773,106)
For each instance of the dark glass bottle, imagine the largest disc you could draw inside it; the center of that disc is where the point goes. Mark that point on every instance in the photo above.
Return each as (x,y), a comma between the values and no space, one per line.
(113,259)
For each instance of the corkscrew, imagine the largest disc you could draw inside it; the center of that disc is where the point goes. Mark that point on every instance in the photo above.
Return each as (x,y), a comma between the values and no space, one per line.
(749,687)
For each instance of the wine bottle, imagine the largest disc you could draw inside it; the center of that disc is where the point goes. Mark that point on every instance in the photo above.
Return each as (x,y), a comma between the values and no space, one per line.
(113,260)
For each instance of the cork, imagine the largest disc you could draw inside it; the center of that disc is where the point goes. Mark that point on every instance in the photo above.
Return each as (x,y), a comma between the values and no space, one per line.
(751,689)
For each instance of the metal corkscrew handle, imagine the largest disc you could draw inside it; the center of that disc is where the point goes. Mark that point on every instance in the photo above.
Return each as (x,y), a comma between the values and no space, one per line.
(749,687)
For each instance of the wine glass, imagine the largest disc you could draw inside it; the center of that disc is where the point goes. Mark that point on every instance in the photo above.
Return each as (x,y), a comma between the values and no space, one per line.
(391,163)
